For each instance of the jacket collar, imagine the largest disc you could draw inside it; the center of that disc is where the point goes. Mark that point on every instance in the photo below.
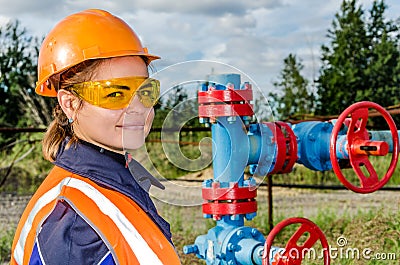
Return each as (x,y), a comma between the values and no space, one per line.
(110,170)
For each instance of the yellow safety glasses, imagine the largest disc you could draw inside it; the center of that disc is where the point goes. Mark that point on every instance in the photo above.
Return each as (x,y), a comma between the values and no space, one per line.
(116,93)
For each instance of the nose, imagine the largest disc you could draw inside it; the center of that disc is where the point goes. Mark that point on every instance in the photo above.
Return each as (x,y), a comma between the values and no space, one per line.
(135,106)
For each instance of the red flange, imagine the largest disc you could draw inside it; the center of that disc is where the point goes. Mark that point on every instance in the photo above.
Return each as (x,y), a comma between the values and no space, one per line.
(285,139)
(230,102)
(218,208)
(291,147)
(359,147)
(225,110)
(293,253)
(228,201)
(232,193)
(228,95)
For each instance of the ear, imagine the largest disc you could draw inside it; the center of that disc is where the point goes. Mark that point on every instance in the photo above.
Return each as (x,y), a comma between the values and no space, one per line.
(67,101)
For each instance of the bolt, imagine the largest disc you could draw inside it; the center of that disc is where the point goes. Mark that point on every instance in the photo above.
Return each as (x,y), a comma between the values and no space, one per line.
(207,183)
(246,119)
(246,85)
(252,169)
(311,137)
(240,234)
(216,217)
(250,216)
(235,217)
(231,247)
(190,249)
(254,232)
(231,262)
(231,119)
(230,86)
(204,120)
(326,126)
(253,128)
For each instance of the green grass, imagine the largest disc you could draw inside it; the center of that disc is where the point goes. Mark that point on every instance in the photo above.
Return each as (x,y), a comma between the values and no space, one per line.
(365,230)
(6,238)
(375,230)
(28,167)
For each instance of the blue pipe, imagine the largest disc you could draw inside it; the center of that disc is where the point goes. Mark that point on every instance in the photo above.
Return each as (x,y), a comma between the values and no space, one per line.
(234,148)
(231,150)
(385,136)
(313,144)
(313,141)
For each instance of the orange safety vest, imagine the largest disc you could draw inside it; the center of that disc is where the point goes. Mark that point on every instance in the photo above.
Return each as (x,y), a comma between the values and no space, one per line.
(133,238)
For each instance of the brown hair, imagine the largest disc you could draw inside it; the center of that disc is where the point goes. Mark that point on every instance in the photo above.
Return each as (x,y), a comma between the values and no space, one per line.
(60,128)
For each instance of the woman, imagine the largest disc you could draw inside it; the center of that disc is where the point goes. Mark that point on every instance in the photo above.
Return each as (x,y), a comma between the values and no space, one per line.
(90,209)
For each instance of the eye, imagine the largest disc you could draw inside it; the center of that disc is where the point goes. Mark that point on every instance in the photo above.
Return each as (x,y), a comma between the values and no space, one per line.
(145,93)
(115,94)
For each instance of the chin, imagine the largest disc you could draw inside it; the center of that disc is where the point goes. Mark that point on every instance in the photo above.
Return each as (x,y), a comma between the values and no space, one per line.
(133,140)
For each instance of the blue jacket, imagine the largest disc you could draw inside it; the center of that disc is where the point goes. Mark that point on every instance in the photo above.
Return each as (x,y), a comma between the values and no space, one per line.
(65,238)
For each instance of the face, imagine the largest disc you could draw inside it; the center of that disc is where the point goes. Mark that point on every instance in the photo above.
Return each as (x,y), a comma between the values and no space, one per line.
(119,129)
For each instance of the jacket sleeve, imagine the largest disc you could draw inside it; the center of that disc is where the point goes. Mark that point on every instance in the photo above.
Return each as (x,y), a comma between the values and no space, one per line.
(66,238)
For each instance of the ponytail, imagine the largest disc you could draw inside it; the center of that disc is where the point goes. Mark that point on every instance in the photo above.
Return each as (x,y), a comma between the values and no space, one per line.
(58,130)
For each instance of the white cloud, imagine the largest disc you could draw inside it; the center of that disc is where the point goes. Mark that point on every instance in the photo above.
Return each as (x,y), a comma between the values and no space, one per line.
(254,36)
(205,7)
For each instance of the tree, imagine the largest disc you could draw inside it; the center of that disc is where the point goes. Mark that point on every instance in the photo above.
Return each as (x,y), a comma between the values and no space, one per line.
(19,105)
(293,96)
(382,72)
(342,73)
(362,61)
(176,109)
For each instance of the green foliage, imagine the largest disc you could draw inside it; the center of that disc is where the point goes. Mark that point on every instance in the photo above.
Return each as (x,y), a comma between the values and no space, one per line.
(362,60)
(6,238)
(293,96)
(19,105)
(344,61)
(176,155)
(22,166)
(177,110)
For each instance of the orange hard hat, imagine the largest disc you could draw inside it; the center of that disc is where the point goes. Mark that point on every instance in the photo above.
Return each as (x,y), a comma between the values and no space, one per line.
(90,34)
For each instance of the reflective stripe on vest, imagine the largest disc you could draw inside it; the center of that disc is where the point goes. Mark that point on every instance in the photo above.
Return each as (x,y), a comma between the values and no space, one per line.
(131,235)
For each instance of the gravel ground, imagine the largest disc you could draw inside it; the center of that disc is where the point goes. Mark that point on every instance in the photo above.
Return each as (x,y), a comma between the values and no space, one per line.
(290,201)
(287,202)
(293,201)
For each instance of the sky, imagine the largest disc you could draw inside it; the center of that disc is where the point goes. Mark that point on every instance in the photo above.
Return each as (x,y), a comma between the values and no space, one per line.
(252,36)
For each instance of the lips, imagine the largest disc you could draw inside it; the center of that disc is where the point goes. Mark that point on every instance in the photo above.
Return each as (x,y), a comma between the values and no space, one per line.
(133,126)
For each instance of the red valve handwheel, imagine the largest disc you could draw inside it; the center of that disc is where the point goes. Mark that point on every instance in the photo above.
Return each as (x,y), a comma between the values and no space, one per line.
(357,132)
(293,254)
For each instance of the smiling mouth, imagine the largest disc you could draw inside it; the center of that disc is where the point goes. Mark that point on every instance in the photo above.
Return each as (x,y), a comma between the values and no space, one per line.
(132,127)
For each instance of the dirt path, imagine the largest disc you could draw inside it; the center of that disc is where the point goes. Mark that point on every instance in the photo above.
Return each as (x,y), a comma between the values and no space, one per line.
(291,201)
(285,201)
